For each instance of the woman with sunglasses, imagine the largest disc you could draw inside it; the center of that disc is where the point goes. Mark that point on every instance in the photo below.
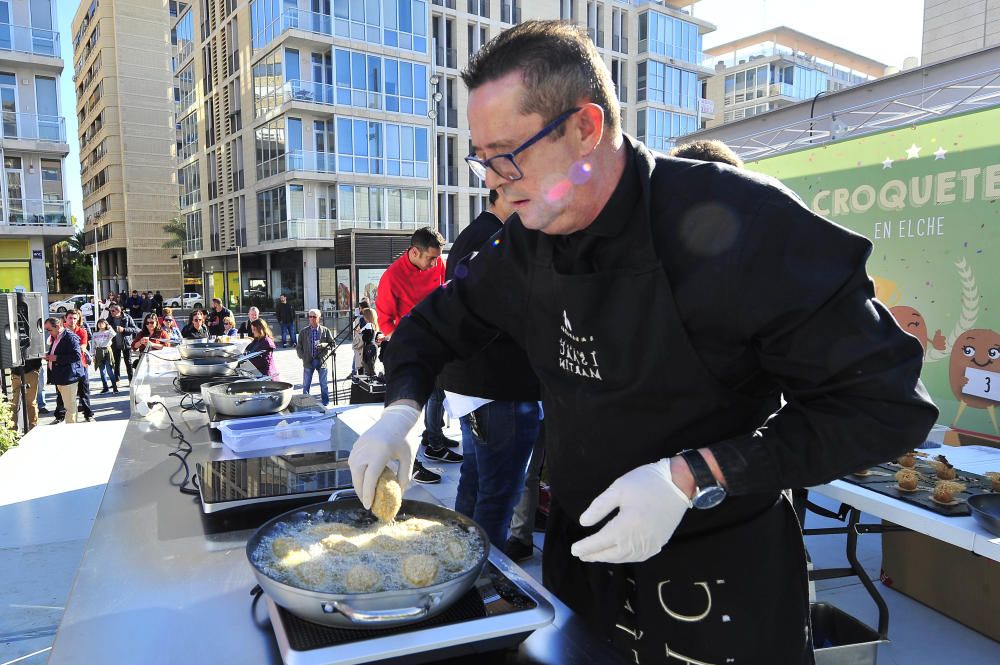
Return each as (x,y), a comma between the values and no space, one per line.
(170,327)
(151,337)
(196,328)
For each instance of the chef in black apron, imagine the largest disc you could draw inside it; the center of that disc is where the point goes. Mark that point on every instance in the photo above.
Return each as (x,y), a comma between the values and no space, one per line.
(664,305)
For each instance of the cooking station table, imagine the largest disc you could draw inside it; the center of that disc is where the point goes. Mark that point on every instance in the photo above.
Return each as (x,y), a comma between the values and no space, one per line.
(156,586)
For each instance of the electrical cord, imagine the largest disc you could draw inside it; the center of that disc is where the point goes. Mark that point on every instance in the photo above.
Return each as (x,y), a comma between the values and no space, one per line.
(189,484)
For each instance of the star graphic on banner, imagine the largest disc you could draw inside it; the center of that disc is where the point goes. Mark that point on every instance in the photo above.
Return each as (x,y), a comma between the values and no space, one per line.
(887,164)
(939,153)
(913,151)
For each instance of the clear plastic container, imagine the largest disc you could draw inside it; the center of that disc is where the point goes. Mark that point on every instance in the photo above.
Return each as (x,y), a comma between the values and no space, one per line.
(275,431)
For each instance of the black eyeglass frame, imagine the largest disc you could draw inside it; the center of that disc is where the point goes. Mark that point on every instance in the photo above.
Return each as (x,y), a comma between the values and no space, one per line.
(476,165)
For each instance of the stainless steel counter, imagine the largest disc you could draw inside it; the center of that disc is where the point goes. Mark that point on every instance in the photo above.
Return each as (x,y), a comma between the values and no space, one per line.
(158,585)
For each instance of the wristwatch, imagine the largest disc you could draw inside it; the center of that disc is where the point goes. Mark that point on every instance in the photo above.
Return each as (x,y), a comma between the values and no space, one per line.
(708,492)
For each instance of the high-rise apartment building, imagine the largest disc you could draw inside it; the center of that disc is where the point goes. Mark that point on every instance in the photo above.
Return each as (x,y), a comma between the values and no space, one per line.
(34,212)
(121,51)
(312,135)
(956,27)
(778,67)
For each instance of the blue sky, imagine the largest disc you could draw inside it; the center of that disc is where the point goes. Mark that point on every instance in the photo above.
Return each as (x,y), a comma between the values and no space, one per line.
(885,31)
(67,96)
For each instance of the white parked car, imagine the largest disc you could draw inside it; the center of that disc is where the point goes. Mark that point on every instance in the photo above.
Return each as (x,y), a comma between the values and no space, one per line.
(63,306)
(187,301)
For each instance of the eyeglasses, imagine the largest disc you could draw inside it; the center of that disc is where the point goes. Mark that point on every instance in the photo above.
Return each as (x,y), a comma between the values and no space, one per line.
(167,319)
(504,165)
(313,316)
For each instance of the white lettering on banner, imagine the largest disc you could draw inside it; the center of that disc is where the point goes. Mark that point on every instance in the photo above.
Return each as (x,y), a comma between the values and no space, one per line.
(922,227)
(690,618)
(636,633)
(574,360)
(941,188)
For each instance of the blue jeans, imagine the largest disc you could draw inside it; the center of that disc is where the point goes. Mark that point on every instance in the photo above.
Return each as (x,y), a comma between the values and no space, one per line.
(288,328)
(307,375)
(102,358)
(497,439)
(40,399)
(434,416)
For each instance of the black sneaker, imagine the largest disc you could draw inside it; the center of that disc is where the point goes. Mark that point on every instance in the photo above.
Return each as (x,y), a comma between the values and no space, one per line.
(442,454)
(56,421)
(105,391)
(423,475)
(439,440)
(518,551)
(42,410)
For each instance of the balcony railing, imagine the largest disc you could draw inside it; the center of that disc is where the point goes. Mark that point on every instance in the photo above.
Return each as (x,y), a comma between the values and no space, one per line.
(596,36)
(25,39)
(312,161)
(619,43)
(192,245)
(311,91)
(32,127)
(324,229)
(37,212)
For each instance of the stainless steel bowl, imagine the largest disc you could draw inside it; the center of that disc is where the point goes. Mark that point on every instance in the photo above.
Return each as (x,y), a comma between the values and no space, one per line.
(250,398)
(986,510)
(368,610)
(222,350)
(207,367)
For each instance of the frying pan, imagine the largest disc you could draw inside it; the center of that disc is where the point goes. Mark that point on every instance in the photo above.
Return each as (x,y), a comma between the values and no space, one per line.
(207,350)
(213,366)
(375,609)
(986,510)
(250,398)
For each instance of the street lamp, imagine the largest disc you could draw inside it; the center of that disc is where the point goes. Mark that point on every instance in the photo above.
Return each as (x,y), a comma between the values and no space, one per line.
(239,277)
(432,113)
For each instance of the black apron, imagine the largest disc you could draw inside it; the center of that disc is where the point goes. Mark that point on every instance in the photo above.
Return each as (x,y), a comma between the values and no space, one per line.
(622,387)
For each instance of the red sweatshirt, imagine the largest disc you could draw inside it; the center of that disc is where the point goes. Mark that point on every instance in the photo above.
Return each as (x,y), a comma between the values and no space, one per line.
(402,286)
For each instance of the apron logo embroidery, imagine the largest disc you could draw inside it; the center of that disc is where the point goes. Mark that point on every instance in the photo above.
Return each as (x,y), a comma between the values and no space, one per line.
(690,618)
(574,359)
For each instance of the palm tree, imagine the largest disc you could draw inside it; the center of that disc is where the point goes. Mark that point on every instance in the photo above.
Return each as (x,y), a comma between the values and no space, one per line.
(177,230)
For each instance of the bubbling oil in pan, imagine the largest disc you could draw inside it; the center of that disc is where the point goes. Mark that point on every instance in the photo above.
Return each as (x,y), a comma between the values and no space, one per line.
(344,552)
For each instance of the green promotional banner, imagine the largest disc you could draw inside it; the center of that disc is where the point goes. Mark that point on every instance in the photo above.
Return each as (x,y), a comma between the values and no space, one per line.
(928,197)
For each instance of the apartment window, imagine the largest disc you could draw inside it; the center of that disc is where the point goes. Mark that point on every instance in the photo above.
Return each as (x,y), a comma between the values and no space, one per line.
(408,208)
(184,90)
(52,181)
(269,147)
(405,23)
(618,77)
(669,36)
(236,155)
(657,82)
(361,205)
(477,36)
(182,36)
(266,20)
(235,119)
(359,146)
(187,137)
(210,135)
(208,83)
(189,184)
(657,129)
(233,41)
(215,227)
(510,11)
(479,8)
(272,214)
(268,83)
(567,10)
(364,80)
(95,183)
(406,151)
(213,174)
(192,222)
(749,84)
(619,42)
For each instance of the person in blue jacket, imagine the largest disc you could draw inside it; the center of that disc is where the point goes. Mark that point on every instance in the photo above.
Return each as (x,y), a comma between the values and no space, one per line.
(65,366)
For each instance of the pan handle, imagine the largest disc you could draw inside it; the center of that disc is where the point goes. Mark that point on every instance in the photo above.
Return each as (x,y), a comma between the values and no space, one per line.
(382,616)
(340,495)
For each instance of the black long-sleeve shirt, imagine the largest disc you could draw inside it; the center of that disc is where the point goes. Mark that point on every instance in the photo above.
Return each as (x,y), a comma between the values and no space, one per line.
(501,371)
(773,297)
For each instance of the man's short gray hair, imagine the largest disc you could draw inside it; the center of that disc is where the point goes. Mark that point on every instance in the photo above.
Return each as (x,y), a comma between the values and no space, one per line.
(319,314)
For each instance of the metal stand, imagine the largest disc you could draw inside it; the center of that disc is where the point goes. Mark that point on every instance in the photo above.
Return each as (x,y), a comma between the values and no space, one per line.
(852,516)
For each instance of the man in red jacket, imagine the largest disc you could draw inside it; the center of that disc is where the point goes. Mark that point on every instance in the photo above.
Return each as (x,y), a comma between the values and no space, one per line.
(407,281)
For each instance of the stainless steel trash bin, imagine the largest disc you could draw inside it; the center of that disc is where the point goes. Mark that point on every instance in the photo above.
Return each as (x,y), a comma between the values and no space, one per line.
(840,639)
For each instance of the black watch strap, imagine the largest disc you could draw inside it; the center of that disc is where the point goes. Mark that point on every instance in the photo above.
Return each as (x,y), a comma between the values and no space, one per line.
(699,469)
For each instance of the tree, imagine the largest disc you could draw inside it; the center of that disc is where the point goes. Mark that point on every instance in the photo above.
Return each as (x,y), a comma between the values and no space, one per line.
(177,230)
(72,266)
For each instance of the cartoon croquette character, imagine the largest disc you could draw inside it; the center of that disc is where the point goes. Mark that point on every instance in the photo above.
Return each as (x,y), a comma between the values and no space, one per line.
(979,349)
(913,322)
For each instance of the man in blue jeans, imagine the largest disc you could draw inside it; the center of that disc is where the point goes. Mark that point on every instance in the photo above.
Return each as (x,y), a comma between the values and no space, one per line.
(314,348)
(286,319)
(495,394)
